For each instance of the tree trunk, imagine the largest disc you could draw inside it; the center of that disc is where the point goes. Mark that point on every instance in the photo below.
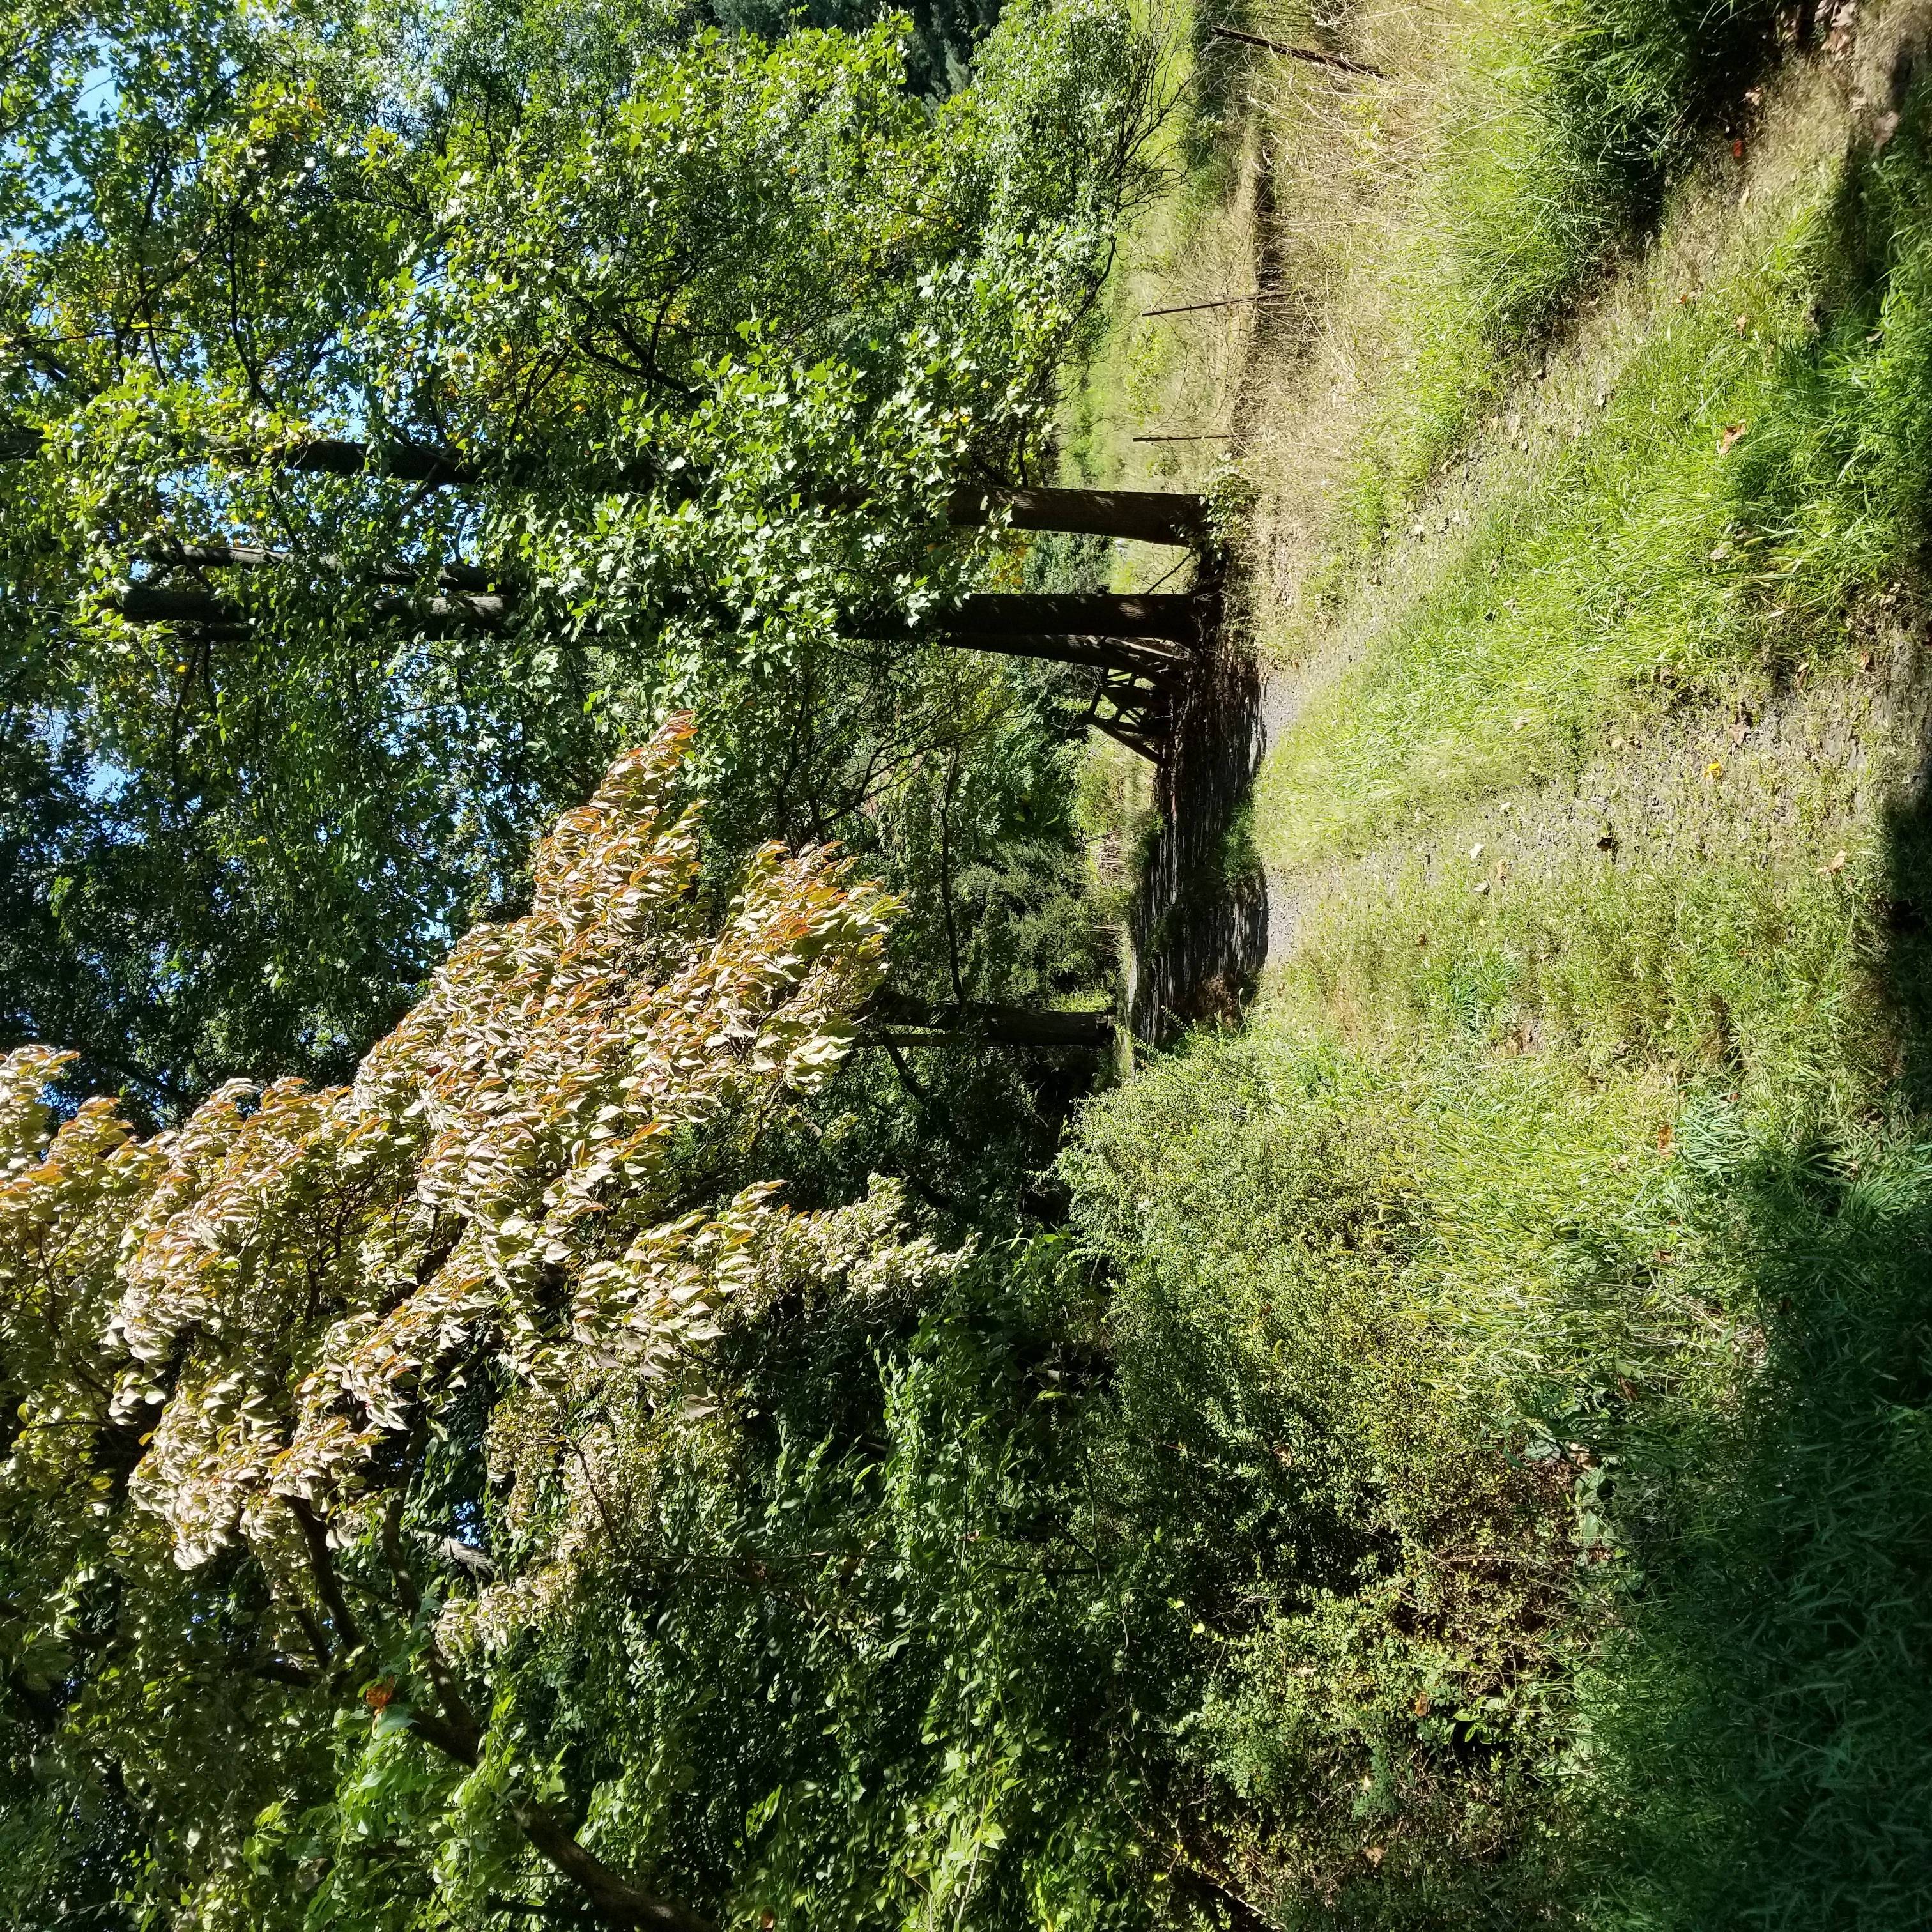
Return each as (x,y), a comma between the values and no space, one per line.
(1147,516)
(327,456)
(1314,54)
(1080,629)
(1176,616)
(1145,658)
(246,556)
(903,1021)
(158,603)
(458,1735)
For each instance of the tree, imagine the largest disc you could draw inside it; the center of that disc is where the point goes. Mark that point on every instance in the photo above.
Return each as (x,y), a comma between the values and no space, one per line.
(270,1371)
(713,330)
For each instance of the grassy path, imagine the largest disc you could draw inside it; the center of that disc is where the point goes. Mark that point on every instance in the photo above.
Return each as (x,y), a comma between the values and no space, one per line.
(1585,563)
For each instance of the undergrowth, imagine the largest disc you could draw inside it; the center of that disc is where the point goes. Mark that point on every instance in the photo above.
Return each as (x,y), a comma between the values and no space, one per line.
(1763,1719)
(1581,1245)
(1521,1351)
(1324,1427)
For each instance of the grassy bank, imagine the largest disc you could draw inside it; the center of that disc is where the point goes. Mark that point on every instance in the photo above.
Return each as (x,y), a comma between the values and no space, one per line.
(1528,1302)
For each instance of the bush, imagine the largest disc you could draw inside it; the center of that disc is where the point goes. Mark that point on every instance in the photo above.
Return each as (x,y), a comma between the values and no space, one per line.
(1344,1420)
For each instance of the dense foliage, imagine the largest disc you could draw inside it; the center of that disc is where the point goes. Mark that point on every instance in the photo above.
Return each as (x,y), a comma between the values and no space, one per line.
(660,1444)
(355,1321)
(706,330)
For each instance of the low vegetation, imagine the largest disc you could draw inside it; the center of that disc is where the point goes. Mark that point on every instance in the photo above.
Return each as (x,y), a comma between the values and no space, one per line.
(1446,1447)
(1586,1084)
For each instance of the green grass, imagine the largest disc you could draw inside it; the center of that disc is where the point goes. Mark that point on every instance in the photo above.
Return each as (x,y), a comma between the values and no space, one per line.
(1521,1340)
(1585,565)
(1762,982)
(1574,1257)
(1837,484)
(1164,376)
(1513,151)
(1762,1717)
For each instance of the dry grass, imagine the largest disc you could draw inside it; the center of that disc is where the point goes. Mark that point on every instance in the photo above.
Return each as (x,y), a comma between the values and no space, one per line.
(1540,581)
(1354,167)
(1171,375)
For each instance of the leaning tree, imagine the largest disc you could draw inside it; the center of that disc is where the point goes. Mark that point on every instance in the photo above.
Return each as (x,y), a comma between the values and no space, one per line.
(315,1403)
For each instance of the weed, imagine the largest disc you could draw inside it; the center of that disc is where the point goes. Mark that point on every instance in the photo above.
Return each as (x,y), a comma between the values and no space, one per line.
(1763,1726)
(1725,972)
(1837,477)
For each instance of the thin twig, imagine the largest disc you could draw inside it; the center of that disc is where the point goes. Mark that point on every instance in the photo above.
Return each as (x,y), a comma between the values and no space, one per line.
(1223,302)
(1300,53)
(1202,436)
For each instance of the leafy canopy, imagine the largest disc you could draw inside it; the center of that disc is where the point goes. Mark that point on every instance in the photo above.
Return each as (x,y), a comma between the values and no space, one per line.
(265,1371)
(708,329)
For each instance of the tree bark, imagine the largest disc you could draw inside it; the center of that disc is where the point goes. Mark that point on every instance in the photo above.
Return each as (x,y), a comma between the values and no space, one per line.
(899,1019)
(1176,616)
(468,577)
(1122,633)
(1314,54)
(1146,516)
(409,462)
(160,604)
(328,456)
(328,1584)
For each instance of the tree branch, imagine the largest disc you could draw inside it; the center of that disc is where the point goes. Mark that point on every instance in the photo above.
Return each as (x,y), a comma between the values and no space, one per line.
(893,1016)
(328,1584)
(610,1894)
(607,1892)
(459,1736)
(1312,54)
(285,1670)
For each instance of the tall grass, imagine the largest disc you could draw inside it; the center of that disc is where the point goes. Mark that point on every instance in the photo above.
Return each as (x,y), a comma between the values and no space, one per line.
(1521,1364)
(1836,483)
(1756,454)
(1607,534)
(1522,1346)
(1529,1328)
(1337,1328)
(1764,1718)
(1762,982)
(1566,126)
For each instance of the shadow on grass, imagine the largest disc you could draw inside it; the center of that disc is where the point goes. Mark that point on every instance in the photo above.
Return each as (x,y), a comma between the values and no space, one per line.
(1770,1726)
